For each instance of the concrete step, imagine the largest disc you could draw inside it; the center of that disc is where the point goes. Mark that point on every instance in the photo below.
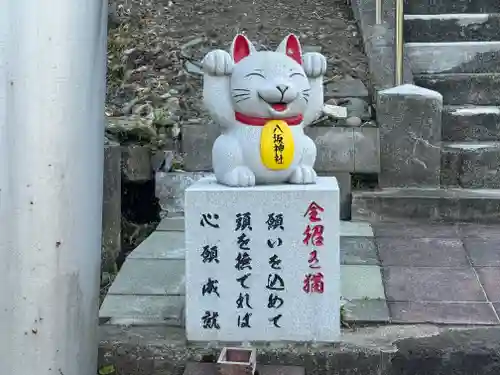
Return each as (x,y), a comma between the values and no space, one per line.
(463,88)
(471,165)
(454,57)
(431,204)
(451,6)
(458,27)
(340,149)
(170,188)
(471,123)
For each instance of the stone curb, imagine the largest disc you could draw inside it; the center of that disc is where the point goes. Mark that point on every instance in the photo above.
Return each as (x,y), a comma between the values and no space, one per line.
(385,350)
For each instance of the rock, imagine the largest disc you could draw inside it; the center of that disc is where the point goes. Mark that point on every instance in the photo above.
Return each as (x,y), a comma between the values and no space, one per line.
(162,62)
(307,49)
(193,68)
(353,121)
(162,161)
(347,87)
(334,111)
(187,48)
(356,107)
(170,189)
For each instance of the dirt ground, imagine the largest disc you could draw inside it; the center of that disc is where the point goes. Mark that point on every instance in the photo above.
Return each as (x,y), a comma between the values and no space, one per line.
(327,23)
(150,42)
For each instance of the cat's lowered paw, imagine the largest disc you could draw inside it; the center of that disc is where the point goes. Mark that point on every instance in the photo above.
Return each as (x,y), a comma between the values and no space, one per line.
(239,177)
(218,63)
(302,175)
(314,64)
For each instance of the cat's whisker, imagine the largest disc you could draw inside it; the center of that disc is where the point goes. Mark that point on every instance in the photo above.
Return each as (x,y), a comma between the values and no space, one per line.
(305,90)
(242,99)
(239,95)
(306,99)
(247,90)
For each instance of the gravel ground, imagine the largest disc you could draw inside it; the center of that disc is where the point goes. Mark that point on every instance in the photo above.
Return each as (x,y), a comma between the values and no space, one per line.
(155,48)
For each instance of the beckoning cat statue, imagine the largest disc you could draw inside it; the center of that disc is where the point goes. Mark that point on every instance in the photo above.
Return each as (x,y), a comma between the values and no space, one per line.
(262,101)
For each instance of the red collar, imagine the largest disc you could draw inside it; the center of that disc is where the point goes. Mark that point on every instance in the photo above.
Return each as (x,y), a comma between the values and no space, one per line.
(261,121)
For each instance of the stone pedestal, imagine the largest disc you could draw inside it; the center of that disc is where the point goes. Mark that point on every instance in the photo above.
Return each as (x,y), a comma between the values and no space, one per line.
(409,118)
(262,263)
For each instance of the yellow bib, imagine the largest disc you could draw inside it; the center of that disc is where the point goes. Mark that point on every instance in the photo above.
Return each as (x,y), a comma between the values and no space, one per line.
(276,145)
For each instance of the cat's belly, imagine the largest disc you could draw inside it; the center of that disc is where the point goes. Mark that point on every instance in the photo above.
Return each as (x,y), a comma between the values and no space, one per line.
(249,138)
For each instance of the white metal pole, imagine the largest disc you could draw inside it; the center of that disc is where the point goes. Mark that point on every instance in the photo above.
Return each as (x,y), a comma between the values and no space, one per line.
(52,92)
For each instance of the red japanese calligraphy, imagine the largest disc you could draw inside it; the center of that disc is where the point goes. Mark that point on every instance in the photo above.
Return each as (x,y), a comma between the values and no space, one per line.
(313,211)
(313,283)
(314,235)
(313,260)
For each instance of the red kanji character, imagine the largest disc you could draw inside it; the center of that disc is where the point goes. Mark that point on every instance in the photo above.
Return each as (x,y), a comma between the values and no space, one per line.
(314,234)
(313,259)
(313,211)
(313,283)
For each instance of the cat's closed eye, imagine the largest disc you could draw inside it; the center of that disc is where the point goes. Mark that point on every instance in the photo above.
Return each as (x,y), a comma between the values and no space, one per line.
(296,74)
(256,74)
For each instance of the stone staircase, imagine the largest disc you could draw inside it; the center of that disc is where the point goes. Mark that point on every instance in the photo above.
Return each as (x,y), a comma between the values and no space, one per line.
(457,53)
(454,48)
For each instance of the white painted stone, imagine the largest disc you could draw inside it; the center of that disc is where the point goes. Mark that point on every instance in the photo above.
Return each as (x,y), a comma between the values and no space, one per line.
(462,19)
(475,110)
(335,111)
(472,145)
(305,317)
(409,89)
(442,57)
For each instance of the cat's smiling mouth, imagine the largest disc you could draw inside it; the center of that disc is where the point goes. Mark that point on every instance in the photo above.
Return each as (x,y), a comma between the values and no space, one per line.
(279,107)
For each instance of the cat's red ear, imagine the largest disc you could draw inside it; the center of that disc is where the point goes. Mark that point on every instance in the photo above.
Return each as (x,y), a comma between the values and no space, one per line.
(291,47)
(241,48)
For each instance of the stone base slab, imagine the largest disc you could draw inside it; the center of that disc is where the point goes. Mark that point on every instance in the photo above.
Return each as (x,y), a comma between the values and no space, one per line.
(257,245)
(408,349)
(170,187)
(194,368)
(434,204)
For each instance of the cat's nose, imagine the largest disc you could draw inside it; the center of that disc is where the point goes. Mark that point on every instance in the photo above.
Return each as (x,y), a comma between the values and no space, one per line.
(282,88)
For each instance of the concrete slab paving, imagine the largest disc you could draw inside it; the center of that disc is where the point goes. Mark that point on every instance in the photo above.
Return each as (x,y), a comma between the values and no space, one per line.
(479,231)
(158,309)
(443,312)
(490,279)
(361,282)
(161,245)
(432,284)
(415,230)
(483,252)
(367,311)
(427,274)
(496,306)
(355,229)
(422,252)
(358,250)
(150,277)
(174,223)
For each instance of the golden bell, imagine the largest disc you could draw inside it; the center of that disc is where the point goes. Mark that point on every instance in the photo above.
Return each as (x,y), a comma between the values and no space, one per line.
(276,145)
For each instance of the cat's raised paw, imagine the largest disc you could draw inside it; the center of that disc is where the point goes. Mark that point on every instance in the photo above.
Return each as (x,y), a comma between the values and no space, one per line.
(218,63)
(314,64)
(239,177)
(303,175)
